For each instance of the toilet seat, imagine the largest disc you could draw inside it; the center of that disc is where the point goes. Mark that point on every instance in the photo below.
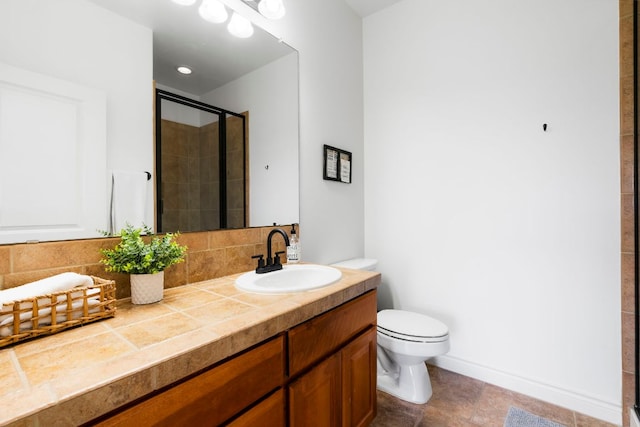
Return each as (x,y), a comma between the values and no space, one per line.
(410,326)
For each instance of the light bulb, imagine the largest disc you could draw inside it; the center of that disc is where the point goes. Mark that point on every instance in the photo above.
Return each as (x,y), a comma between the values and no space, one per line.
(184,2)
(213,11)
(271,9)
(240,26)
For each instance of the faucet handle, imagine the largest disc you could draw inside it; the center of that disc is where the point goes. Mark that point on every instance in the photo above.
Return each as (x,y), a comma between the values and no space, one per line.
(276,260)
(260,260)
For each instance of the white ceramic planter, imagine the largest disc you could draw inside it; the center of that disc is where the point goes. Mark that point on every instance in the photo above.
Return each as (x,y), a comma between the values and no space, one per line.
(147,288)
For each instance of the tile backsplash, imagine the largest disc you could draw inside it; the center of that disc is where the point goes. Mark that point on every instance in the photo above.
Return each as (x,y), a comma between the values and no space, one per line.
(210,254)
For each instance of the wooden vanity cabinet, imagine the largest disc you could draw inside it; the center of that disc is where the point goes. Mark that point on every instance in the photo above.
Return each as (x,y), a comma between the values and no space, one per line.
(319,373)
(334,359)
(214,396)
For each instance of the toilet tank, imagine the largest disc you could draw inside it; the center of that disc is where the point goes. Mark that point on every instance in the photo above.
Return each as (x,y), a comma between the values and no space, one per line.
(369,264)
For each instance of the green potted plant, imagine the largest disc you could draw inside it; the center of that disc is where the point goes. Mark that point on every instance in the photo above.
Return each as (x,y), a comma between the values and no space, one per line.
(145,260)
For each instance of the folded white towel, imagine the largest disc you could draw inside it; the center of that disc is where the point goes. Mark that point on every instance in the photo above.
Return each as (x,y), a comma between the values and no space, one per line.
(44,305)
(128,199)
(57,283)
(6,327)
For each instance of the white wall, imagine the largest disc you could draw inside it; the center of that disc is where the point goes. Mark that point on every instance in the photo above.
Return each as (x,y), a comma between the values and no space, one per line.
(270,95)
(507,233)
(328,37)
(78,42)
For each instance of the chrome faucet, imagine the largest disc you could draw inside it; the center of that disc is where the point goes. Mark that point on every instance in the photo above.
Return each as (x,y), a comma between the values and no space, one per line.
(273,263)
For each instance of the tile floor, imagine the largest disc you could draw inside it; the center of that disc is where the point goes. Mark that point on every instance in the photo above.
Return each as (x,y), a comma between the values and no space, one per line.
(460,401)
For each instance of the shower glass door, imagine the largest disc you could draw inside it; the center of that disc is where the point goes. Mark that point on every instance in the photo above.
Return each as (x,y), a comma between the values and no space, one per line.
(200,166)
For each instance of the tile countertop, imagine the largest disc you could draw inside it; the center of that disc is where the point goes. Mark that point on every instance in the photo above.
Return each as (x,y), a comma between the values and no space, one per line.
(79,374)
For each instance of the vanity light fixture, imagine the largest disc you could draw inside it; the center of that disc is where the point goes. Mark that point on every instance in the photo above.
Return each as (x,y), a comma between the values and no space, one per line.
(184,2)
(271,9)
(184,70)
(240,26)
(213,11)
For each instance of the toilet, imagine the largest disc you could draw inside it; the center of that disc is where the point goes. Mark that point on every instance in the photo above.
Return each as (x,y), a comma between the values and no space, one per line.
(405,341)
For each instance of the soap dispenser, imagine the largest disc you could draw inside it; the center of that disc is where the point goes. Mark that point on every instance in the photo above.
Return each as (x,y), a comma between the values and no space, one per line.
(293,250)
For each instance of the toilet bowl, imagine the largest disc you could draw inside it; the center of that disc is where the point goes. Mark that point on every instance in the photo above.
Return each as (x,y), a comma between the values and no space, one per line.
(405,341)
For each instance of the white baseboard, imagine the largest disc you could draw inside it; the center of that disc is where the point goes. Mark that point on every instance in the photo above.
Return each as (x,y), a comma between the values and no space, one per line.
(596,408)
(633,417)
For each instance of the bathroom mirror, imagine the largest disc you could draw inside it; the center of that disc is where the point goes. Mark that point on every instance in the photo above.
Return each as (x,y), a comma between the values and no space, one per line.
(95,44)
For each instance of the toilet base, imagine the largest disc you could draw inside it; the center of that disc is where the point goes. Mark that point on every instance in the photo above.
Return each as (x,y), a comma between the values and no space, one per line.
(409,383)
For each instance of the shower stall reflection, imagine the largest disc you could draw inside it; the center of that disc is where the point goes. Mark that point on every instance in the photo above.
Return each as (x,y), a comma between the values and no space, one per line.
(200,166)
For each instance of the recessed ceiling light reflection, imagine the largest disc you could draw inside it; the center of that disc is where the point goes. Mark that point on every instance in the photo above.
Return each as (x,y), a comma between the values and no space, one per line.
(184,70)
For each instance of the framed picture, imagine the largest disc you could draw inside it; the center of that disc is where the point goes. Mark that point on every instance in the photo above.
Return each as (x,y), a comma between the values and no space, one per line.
(337,165)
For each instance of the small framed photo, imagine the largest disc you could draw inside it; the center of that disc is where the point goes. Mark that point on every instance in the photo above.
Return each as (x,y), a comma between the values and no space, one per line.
(337,165)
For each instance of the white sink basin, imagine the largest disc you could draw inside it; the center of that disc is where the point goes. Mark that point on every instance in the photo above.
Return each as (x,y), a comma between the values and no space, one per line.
(292,278)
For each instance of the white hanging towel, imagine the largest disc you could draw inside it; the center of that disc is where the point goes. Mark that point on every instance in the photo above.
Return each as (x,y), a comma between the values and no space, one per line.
(128,199)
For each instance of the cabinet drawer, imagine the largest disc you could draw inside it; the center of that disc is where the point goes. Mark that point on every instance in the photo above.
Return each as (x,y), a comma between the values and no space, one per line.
(215,395)
(326,333)
(269,412)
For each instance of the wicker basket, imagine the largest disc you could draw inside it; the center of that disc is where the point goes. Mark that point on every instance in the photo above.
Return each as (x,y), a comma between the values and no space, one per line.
(48,314)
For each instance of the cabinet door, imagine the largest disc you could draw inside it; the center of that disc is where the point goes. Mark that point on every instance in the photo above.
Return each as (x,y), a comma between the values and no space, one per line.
(359,380)
(315,398)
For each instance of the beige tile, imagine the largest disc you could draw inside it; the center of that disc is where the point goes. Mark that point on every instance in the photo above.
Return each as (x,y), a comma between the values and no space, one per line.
(51,255)
(260,300)
(128,314)
(5,260)
(9,375)
(226,238)
(183,300)
(199,357)
(395,412)
(61,339)
(128,367)
(218,311)
(152,331)
(238,259)
(176,275)
(249,328)
(226,289)
(454,396)
(206,265)
(196,241)
(64,361)
(494,404)
(19,404)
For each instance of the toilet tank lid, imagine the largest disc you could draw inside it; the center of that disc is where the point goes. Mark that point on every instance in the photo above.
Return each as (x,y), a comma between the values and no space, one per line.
(358,263)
